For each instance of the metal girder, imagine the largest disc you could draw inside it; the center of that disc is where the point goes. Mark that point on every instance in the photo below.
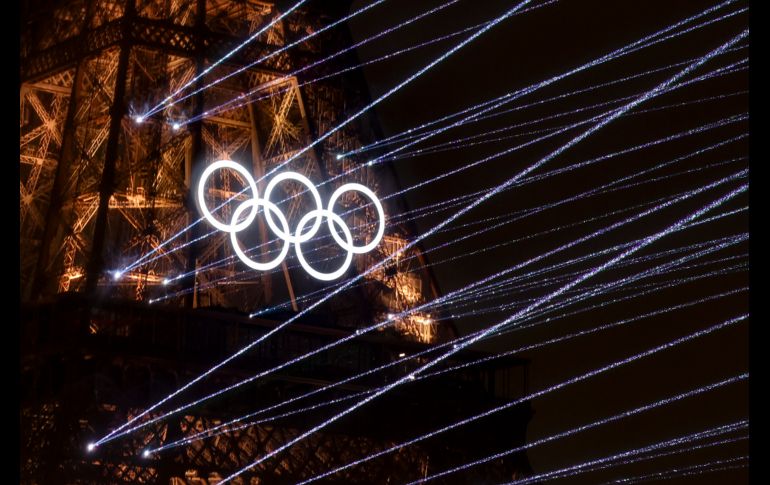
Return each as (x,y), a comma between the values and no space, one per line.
(118,369)
(166,43)
(172,38)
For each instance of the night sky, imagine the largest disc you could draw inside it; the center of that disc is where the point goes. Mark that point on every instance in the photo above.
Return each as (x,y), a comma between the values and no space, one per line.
(533,47)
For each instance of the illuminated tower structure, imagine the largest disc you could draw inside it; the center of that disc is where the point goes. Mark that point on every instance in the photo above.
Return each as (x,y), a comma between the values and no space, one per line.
(99,191)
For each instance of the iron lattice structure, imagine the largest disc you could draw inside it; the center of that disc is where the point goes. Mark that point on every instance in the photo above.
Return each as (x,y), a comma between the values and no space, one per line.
(99,191)
(84,376)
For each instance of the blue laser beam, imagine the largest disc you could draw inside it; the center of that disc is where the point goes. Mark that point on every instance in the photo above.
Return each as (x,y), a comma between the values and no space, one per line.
(275,53)
(240,101)
(471,206)
(484,107)
(542,392)
(586,427)
(580,468)
(688,471)
(649,240)
(223,428)
(651,36)
(488,26)
(427,305)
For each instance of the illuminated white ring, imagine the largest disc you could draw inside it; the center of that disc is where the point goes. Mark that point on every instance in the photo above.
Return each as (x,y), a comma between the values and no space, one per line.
(348,259)
(286,235)
(234,226)
(269,207)
(380,213)
(284,231)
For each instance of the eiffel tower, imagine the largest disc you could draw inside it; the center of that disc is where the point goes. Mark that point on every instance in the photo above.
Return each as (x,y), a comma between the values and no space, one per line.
(100,191)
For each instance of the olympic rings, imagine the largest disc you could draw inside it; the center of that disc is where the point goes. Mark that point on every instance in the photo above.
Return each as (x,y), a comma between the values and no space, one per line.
(282,229)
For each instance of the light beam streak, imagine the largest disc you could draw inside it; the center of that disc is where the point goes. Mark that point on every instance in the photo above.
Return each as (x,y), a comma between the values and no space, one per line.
(240,99)
(693,131)
(650,94)
(518,215)
(534,395)
(661,268)
(276,52)
(582,468)
(402,314)
(692,470)
(492,23)
(681,449)
(223,58)
(540,177)
(397,138)
(220,429)
(586,427)
(505,99)
(649,240)
(628,48)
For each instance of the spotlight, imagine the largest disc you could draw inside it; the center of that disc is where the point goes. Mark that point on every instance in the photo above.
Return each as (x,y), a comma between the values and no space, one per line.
(116,275)
(139,119)
(175,126)
(146,454)
(91,447)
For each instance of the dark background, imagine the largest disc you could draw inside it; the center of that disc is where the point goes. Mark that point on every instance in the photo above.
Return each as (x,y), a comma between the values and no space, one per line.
(532,47)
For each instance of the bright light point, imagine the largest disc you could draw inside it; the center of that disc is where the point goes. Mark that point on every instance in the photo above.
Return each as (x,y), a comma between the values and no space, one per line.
(166,281)
(411,377)
(370,163)
(145,453)
(402,354)
(176,126)
(91,447)
(390,316)
(339,156)
(116,275)
(139,119)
